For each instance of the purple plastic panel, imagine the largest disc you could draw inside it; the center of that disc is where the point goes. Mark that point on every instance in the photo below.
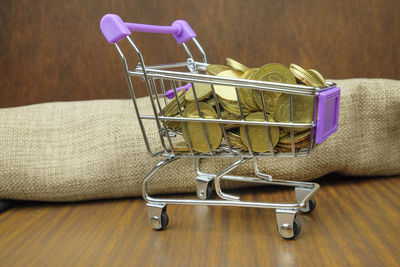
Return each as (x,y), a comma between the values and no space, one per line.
(328,113)
(114,29)
(185,32)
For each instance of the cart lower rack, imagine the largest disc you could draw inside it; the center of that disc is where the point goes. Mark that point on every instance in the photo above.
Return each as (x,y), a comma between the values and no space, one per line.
(205,134)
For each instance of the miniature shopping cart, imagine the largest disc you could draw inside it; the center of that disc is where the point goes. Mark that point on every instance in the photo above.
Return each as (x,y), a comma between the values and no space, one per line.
(161,80)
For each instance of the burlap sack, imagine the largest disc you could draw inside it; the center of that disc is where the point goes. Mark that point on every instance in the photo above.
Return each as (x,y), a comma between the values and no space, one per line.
(94,149)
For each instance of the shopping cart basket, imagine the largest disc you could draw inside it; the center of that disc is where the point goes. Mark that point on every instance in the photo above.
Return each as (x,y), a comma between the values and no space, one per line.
(169,79)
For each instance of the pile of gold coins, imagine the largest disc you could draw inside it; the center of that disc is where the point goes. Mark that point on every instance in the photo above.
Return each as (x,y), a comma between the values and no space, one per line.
(251,104)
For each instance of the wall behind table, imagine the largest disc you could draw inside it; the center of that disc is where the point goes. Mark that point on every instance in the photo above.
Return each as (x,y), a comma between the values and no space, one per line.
(54,51)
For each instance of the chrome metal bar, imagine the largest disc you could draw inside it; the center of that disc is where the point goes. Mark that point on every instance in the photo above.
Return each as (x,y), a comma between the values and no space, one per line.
(288,183)
(156,167)
(163,90)
(196,100)
(260,174)
(155,94)
(217,180)
(246,132)
(314,114)
(148,88)
(185,132)
(259,123)
(161,113)
(222,154)
(197,168)
(200,49)
(235,203)
(164,66)
(235,82)
(155,98)
(271,149)
(187,50)
(291,121)
(201,66)
(230,203)
(132,92)
(220,117)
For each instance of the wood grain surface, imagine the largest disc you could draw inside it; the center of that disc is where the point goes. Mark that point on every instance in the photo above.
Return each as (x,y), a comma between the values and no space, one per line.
(54,51)
(355,223)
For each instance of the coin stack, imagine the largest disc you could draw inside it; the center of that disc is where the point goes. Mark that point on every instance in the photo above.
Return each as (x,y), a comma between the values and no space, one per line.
(233,103)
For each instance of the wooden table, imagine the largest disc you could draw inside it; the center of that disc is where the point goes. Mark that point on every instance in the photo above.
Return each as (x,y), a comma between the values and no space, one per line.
(356,222)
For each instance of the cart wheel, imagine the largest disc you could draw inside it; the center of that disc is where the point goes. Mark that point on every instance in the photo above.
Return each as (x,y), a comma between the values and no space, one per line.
(209,191)
(296,228)
(204,187)
(310,206)
(157,215)
(164,220)
(288,226)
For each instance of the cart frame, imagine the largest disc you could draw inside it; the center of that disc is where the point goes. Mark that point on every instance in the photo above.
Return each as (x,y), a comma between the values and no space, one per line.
(326,103)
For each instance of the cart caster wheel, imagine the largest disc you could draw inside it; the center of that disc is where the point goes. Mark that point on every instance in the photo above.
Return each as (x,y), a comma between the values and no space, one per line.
(310,206)
(157,214)
(290,232)
(288,226)
(296,228)
(209,191)
(164,220)
(204,188)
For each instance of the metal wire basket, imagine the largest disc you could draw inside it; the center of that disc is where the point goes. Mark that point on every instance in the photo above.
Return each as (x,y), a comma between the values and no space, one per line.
(169,79)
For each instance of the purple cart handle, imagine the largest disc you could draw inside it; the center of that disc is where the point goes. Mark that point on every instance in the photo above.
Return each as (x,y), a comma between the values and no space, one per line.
(114,29)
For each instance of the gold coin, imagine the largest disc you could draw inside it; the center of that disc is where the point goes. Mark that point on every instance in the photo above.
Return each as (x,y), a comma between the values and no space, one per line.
(240,146)
(301,144)
(236,65)
(303,75)
(229,116)
(298,137)
(317,76)
(235,137)
(283,132)
(304,79)
(298,146)
(174,125)
(254,94)
(195,129)
(302,109)
(181,147)
(258,135)
(277,73)
(236,141)
(171,109)
(192,109)
(227,92)
(203,90)
(234,109)
(246,94)
(211,102)
(214,69)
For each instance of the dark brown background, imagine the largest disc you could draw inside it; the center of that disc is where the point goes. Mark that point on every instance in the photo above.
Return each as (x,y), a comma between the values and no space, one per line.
(54,51)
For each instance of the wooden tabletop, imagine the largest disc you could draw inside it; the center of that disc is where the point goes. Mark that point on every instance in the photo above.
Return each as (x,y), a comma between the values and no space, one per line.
(356,222)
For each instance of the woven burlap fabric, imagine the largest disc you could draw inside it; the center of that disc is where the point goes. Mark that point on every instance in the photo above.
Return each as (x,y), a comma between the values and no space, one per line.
(69,151)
